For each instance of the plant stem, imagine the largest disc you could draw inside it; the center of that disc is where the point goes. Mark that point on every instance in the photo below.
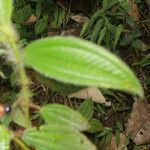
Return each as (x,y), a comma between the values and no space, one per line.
(10,37)
(20,143)
(25,93)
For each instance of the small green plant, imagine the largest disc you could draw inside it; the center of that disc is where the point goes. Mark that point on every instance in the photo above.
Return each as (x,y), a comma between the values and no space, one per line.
(68,60)
(33,19)
(112,26)
(106,24)
(58,17)
(144,62)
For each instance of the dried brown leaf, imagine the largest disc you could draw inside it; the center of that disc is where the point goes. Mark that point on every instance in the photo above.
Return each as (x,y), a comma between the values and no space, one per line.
(138,127)
(90,92)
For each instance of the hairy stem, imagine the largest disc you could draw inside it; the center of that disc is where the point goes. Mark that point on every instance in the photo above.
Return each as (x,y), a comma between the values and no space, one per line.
(25,94)
(10,37)
(19,66)
(20,143)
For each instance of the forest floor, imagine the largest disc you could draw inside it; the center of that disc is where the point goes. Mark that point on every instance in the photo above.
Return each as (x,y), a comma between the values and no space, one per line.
(126,122)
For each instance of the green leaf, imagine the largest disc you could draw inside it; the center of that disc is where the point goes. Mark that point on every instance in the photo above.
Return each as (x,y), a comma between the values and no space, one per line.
(84,28)
(105,131)
(137,147)
(4,138)
(110,26)
(101,143)
(86,109)
(130,20)
(139,45)
(96,125)
(108,38)
(58,17)
(64,116)
(119,126)
(108,138)
(105,140)
(101,35)
(105,3)
(38,9)
(126,6)
(22,14)
(112,94)
(5,11)
(54,137)
(18,116)
(96,30)
(61,17)
(119,30)
(55,16)
(41,25)
(79,62)
(144,62)
(112,3)
(90,23)
(117,137)
(19,3)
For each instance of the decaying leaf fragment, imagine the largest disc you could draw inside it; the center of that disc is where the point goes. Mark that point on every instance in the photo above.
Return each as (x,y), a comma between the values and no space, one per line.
(134,10)
(90,92)
(31,20)
(74,31)
(138,127)
(80,18)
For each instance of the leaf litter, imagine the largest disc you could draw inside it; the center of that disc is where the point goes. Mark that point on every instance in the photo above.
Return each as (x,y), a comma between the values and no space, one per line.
(138,126)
